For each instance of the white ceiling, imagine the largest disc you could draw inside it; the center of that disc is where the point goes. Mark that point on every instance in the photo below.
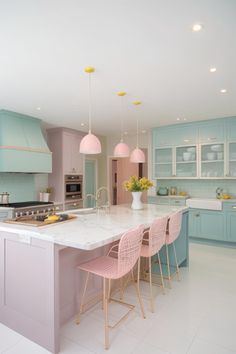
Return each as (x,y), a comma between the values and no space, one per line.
(145,47)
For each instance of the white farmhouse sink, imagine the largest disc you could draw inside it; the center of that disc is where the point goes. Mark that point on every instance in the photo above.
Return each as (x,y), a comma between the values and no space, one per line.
(199,203)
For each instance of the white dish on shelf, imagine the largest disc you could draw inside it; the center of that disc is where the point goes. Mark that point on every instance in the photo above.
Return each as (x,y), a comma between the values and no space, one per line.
(211,156)
(187,156)
(216,148)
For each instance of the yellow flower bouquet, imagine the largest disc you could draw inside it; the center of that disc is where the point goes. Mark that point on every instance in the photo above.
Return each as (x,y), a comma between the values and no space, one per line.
(135,184)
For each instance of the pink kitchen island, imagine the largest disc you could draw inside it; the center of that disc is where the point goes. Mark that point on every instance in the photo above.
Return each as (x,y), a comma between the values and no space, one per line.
(40,284)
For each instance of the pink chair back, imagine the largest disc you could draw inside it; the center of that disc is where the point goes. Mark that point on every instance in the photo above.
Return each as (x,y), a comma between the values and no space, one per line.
(129,249)
(174,227)
(157,235)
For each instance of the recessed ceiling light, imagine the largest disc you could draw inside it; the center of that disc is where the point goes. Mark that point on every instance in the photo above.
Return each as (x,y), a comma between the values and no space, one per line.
(212,70)
(38,108)
(143,131)
(223,91)
(185,118)
(177,118)
(125,133)
(197,27)
(82,124)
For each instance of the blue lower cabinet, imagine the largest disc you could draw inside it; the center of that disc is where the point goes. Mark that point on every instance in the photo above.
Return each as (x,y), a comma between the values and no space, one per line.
(207,224)
(181,245)
(231,226)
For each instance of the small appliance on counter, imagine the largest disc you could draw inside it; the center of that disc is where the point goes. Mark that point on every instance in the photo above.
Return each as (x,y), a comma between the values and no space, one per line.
(173,190)
(4,198)
(162,191)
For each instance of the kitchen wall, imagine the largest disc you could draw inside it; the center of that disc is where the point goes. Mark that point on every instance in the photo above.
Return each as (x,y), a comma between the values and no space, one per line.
(22,186)
(200,188)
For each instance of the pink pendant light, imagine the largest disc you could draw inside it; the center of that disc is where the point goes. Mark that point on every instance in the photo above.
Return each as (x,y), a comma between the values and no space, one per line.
(137,155)
(90,144)
(121,149)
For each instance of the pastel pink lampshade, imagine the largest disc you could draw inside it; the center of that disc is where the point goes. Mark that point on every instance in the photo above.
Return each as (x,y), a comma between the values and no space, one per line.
(137,156)
(90,144)
(121,150)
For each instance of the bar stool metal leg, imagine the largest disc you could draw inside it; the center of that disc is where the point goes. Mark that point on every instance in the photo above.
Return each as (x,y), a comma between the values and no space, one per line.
(77,321)
(176,262)
(168,265)
(162,279)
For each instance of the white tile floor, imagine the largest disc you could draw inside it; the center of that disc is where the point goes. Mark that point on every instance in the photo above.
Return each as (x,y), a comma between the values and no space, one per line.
(197,316)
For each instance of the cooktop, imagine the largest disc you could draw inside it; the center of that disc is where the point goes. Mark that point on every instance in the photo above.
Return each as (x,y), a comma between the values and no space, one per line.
(25,204)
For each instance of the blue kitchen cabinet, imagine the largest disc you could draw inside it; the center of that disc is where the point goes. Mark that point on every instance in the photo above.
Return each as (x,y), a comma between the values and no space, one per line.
(231,129)
(182,250)
(230,220)
(163,136)
(162,162)
(185,135)
(168,200)
(207,224)
(211,132)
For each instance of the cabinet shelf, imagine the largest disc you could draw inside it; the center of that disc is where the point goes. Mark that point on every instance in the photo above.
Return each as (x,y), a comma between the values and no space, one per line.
(211,161)
(163,163)
(183,162)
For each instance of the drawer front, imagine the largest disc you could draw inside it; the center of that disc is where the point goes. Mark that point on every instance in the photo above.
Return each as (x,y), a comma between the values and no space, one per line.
(229,207)
(158,200)
(177,201)
(74,205)
(4,215)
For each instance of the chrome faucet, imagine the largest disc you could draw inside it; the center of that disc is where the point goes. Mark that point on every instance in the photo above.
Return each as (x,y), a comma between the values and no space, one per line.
(219,192)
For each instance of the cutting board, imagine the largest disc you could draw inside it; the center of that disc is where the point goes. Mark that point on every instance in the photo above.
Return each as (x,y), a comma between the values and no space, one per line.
(29,221)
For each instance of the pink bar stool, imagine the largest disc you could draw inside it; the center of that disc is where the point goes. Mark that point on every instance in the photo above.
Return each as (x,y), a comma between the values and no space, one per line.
(153,240)
(172,233)
(109,268)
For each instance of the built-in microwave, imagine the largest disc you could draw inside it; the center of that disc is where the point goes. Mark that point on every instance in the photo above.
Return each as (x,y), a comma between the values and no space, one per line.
(73,187)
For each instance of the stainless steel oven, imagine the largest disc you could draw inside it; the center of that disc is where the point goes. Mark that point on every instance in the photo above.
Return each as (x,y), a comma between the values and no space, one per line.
(73,187)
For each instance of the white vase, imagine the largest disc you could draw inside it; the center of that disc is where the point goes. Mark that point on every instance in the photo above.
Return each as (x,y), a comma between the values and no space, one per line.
(137,204)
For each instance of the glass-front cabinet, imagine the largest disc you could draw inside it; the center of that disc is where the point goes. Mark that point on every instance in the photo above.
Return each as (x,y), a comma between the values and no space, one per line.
(186,161)
(163,162)
(232,160)
(212,160)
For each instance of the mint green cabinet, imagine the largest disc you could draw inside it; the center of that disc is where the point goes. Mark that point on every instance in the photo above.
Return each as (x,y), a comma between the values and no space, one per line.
(186,161)
(213,160)
(231,129)
(163,136)
(185,135)
(211,132)
(230,219)
(206,224)
(163,162)
(168,200)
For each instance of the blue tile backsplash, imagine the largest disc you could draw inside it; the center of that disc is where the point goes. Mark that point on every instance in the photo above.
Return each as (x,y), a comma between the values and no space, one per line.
(200,188)
(22,186)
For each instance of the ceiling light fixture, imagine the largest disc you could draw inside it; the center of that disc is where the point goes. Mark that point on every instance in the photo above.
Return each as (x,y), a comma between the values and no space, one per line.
(223,91)
(38,108)
(121,149)
(177,118)
(212,70)
(197,27)
(137,155)
(90,144)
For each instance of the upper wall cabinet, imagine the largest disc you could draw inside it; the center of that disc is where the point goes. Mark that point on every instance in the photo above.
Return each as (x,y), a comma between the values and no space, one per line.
(163,136)
(231,129)
(211,132)
(195,150)
(174,136)
(72,159)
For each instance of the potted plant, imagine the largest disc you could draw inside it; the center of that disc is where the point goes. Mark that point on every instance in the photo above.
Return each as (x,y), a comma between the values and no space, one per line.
(136,186)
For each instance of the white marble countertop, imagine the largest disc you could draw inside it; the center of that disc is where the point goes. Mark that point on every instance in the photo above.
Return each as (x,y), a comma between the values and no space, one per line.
(94,230)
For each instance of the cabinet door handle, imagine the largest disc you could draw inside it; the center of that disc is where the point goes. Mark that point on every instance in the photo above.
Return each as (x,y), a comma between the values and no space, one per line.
(197,215)
(234,207)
